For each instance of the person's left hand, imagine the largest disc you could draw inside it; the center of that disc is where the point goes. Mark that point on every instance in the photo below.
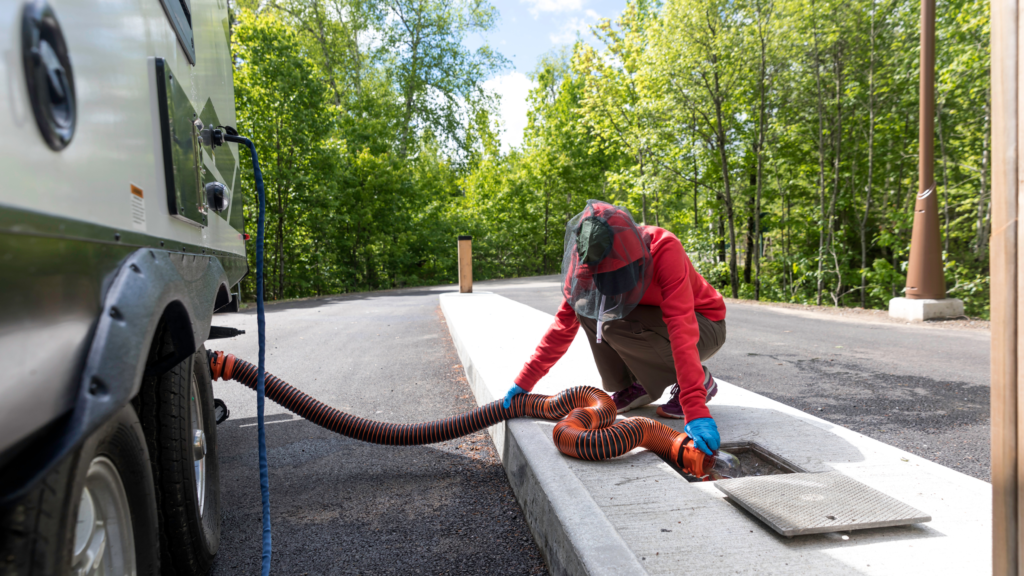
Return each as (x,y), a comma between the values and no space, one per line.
(514,390)
(704,432)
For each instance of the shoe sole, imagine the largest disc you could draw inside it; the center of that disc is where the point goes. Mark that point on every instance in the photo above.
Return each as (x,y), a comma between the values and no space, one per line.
(664,414)
(641,401)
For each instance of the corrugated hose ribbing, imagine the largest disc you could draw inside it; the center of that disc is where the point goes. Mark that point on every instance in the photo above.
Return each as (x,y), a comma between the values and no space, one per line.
(587,428)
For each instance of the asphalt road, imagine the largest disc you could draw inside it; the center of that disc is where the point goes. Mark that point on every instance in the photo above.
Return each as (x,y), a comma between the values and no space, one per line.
(340,506)
(924,389)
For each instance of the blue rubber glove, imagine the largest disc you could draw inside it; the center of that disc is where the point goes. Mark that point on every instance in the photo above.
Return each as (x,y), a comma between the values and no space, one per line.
(704,432)
(515,389)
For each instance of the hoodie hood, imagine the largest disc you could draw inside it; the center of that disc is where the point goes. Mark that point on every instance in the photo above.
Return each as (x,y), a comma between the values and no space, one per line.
(606,264)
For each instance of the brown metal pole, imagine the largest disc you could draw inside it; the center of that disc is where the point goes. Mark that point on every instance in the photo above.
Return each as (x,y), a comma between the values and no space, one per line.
(1003,256)
(465,264)
(925,277)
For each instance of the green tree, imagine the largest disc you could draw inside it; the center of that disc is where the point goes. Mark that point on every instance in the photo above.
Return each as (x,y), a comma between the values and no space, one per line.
(292,135)
(782,132)
(439,80)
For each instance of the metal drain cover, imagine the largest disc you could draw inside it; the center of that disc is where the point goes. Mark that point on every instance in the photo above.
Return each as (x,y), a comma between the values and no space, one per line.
(794,504)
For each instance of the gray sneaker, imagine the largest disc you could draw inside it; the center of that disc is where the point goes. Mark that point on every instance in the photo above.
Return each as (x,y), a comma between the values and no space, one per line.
(633,397)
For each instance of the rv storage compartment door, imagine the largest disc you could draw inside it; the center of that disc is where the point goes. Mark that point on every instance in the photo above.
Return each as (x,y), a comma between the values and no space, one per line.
(179,138)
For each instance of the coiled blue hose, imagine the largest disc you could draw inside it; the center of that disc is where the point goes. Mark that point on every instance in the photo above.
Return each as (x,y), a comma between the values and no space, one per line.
(261,329)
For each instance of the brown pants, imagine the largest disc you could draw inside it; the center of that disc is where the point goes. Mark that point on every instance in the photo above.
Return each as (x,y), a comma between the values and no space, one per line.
(637,349)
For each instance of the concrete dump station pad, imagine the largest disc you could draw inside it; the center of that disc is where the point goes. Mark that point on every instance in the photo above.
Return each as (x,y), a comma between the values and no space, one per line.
(636,515)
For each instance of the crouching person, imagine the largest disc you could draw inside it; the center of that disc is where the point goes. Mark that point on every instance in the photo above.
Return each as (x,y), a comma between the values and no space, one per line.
(651,319)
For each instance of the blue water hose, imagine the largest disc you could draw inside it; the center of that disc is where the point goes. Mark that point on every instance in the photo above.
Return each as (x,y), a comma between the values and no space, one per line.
(261,327)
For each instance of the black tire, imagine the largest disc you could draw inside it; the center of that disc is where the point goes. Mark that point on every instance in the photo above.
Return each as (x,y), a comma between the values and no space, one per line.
(189,527)
(38,532)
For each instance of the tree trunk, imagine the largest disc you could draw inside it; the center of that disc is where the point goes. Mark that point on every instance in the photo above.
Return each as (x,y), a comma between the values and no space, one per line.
(721,239)
(327,59)
(983,194)
(787,276)
(657,204)
(889,208)
(871,165)
(696,214)
(722,142)
(757,220)
(643,187)
(409,97)
(821,167)
(734,278)
(762,129)
(838,65)
(945,177)
(748,252)
(280,211)
(547,214)
(568,206)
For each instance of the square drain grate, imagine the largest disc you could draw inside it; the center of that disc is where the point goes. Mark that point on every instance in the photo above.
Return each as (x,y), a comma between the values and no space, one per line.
(795,504)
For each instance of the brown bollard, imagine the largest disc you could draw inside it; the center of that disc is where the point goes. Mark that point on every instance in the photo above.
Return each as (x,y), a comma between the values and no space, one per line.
(925,277)
(465,264)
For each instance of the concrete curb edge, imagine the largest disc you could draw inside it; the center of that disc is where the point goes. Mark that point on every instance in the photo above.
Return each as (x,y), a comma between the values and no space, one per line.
(573,533)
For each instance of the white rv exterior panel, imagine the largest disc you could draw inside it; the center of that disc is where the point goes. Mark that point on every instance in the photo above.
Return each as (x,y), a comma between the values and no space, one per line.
(116,142)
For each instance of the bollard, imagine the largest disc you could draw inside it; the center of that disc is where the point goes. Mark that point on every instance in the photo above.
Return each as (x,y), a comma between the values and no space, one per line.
(465,264)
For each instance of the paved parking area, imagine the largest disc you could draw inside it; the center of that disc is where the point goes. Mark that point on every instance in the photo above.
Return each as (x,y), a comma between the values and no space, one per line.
(340,506)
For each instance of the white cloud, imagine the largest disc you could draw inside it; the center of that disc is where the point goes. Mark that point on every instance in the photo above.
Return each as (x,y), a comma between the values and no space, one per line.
(538,6)
(513,88)
(575,25)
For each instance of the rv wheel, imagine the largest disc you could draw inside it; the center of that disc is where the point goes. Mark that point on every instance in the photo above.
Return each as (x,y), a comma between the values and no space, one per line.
(178,416)
(93,514)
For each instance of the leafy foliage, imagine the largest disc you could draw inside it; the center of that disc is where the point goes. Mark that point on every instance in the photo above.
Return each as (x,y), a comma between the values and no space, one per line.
(362,146)
(776,138)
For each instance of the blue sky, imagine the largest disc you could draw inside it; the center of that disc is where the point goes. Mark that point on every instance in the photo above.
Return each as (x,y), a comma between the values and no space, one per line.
(528,29)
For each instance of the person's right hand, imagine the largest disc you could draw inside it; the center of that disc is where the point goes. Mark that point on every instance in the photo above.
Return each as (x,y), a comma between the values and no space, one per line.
(515,389)
(704,432)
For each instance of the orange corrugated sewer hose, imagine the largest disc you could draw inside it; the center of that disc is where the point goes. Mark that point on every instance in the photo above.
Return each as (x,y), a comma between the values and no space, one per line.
(588,429)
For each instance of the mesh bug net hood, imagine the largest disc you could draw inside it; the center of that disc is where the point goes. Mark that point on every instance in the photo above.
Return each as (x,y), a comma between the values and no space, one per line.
(606,265)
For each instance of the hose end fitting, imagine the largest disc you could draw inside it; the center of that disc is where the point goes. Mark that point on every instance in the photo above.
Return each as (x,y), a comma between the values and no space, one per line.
(690,458)
(221,365)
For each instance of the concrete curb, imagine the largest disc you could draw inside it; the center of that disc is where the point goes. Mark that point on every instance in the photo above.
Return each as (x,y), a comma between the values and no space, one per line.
(572,532)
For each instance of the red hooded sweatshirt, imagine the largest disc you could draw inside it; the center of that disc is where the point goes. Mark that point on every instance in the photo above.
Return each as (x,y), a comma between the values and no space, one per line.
(680,292)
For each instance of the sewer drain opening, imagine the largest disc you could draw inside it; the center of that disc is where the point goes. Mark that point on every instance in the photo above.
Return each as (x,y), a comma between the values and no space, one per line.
(753,460)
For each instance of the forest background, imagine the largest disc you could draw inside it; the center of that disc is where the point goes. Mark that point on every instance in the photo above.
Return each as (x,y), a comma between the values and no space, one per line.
(776,138)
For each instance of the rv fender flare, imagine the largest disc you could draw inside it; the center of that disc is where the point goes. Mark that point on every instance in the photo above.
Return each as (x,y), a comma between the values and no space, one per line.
(148,286)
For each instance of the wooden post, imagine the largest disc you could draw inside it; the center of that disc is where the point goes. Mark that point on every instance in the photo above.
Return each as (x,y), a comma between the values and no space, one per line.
(1003,264)
(465,264)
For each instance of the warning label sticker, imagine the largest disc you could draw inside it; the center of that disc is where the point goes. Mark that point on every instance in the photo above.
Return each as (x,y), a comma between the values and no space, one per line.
(138,208)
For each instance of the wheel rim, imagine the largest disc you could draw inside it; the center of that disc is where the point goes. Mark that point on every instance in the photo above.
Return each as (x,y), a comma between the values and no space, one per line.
(198,445)
(104,542)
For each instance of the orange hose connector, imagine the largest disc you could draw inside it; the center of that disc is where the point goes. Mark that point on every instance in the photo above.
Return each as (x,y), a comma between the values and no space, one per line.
(588,429)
